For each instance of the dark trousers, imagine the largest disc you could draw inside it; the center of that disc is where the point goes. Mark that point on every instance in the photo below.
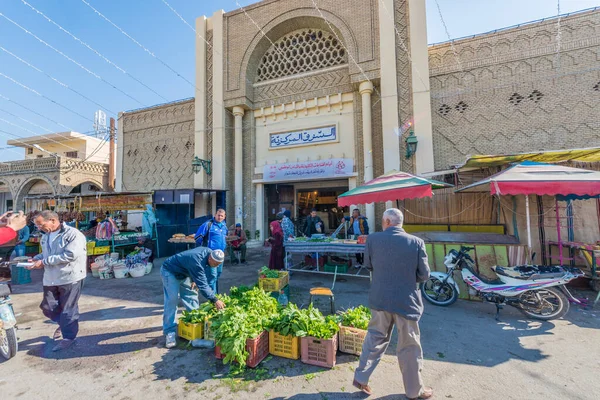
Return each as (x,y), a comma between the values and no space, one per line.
(61,305)
(360,258)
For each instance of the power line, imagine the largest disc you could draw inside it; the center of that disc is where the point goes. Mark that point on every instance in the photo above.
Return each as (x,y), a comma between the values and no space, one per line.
(69,58)
(449,38)
(35,134)
(24,120)
(43,96)
(56,80)
(93,50)
(35,112)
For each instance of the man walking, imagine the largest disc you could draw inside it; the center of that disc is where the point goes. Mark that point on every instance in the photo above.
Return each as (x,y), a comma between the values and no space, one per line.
(178,272)
(63,258)
(398,262)
(213,234)
(358,226)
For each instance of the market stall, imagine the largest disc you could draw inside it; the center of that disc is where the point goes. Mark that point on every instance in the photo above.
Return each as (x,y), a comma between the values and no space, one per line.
(528,177)
(393,186)
(105,219)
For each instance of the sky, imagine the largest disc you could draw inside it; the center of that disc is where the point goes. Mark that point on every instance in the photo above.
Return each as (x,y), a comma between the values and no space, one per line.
(38,104)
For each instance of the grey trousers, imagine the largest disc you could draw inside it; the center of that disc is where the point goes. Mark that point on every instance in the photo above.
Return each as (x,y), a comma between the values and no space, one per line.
(409,352)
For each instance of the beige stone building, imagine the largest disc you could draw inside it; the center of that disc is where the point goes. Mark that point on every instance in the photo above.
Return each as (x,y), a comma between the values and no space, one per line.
(54,164)
(296,103)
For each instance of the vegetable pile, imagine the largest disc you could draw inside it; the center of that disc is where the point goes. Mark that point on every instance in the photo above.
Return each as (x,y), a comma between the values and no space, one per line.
(310,322)
(265,272)
(245,317)
(357,317)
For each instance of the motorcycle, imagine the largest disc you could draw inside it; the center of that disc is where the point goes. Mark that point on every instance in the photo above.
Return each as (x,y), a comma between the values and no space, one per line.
(538,291)
(8,322)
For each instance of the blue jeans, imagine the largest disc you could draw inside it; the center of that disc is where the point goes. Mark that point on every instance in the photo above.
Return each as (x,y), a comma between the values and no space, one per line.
(174,288)
(212,276)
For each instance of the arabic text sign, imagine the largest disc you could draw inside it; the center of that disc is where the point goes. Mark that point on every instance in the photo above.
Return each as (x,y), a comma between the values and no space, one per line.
(304,137)
(335,167)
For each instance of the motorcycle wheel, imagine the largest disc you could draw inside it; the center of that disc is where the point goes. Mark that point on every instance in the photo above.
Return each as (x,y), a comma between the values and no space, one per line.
(553,305)
(438,293)
(8,343)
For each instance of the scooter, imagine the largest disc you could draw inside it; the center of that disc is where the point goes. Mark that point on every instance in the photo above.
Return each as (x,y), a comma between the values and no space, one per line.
(8,322)
(538,291)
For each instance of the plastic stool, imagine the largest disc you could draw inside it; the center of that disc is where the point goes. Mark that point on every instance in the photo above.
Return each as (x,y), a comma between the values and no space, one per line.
(321,291)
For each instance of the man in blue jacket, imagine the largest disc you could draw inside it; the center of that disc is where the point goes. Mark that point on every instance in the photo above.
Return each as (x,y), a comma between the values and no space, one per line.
(212,234)
(178,272)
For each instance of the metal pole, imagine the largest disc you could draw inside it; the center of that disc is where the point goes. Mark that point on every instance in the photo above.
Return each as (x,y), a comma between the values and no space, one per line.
(528,224)
(111,157)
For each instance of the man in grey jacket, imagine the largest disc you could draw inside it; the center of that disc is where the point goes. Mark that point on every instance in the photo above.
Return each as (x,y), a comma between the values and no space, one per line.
(398,262)
(64,261)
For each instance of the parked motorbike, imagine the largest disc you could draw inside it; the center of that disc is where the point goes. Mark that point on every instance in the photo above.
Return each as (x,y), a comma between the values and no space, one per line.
(538,291)
(8,322)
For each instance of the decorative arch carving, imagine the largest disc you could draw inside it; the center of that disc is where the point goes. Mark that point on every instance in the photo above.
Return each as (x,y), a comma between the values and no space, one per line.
(287,23)
(27,185)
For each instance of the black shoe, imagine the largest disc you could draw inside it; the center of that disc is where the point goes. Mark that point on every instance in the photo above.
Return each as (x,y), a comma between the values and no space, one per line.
(243,261)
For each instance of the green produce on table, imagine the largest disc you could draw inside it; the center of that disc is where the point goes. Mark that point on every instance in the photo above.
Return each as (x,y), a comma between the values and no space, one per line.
(357,317)
(265,272)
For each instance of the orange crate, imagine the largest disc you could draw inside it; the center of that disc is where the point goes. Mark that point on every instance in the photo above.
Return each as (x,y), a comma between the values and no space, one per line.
(351,340)
(284,346)
(274,284)
(319,352)
(257,347)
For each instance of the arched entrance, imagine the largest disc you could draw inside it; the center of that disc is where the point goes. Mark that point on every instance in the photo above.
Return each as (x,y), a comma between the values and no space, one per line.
(36,186)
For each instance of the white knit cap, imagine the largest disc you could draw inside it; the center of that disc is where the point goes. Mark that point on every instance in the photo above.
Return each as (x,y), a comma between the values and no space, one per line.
(218,256)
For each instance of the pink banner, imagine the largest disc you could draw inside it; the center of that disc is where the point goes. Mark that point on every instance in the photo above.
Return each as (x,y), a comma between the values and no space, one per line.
(332,168)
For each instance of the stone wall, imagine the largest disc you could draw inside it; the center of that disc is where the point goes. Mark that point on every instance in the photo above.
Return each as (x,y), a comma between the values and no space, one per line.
(516,90)
(158,147)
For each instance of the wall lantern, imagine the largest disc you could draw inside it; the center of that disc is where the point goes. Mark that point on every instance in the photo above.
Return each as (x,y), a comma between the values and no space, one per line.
(198,164)
(411,144)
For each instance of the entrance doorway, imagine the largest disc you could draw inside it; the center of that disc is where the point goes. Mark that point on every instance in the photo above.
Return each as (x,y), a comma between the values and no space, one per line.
(325,202)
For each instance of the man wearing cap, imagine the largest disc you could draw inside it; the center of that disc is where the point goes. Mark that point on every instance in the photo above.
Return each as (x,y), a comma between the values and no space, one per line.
(237,242)
(178,273)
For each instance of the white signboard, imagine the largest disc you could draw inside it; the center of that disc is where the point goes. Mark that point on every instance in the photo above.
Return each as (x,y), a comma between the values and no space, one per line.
(332,168)
(304,137)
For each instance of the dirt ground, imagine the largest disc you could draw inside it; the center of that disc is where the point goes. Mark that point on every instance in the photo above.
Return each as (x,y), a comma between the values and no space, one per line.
(120,351)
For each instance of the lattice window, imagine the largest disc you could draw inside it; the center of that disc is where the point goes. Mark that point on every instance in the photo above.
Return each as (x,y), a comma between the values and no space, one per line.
(30,149)
(536,96)
(444,109)
(301,51)
(597,87)
(71,154)
(188,144)
(461,107)
(516,99)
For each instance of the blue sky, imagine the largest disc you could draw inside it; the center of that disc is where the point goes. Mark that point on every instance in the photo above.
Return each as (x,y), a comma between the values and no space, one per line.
(156,27)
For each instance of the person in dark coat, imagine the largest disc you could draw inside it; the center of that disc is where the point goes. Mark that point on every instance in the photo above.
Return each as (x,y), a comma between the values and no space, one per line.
(313,224)
(276,240)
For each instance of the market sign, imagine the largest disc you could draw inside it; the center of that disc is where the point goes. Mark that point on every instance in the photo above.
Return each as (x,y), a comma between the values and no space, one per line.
(114,202)
(332,168)
(304,137)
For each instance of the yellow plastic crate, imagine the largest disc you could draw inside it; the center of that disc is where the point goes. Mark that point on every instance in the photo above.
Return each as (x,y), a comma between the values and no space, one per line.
(274,284)
(284,346)
(208,334)
(351,340)
(101,250)
(190,331)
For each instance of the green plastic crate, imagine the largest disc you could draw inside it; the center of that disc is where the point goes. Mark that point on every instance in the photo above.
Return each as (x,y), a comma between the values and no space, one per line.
(341,269)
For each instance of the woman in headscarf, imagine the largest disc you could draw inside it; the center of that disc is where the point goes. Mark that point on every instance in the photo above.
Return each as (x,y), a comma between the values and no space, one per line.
(276,240)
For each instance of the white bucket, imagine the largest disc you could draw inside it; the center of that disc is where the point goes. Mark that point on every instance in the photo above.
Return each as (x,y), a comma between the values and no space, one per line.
(137,271)
(106,273)
(114,256)
(95,267)
(120,272)
(148,268)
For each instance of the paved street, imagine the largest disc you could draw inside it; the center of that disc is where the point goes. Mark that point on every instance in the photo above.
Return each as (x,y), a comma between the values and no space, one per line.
(120,353)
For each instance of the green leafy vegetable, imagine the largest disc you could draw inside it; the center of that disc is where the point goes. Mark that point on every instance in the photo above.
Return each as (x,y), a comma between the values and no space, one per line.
(265,272)
(357,317)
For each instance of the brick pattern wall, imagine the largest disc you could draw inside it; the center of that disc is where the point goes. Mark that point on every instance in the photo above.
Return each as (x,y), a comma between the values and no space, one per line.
(158,147)
(515,93)
(404,79)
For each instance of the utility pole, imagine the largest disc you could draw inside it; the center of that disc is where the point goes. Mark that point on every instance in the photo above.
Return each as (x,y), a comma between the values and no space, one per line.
(111,157)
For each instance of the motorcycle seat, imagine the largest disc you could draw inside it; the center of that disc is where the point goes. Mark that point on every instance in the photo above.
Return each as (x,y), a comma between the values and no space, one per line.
(530,272)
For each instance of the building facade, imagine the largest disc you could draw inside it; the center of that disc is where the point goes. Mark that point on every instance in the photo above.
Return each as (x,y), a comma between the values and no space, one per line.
(526,88)
(296,103)
(54,164)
